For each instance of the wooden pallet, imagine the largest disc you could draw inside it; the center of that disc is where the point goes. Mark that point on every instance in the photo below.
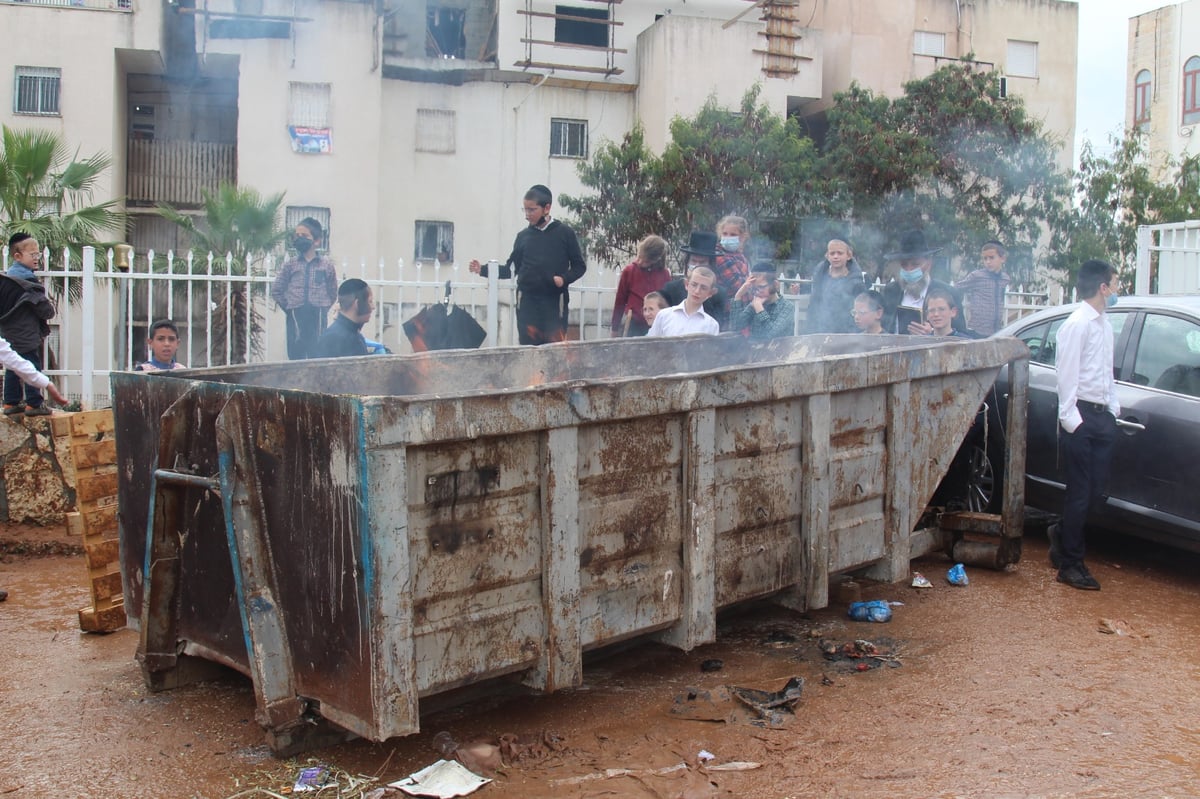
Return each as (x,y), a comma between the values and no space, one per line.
(93,453)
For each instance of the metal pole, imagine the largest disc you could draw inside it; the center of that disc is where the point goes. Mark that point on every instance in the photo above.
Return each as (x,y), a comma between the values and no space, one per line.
(87,391)
(493,304)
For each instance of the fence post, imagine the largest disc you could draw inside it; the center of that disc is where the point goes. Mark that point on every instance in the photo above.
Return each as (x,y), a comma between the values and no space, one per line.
(493,304)
(1141,277)
(88,328)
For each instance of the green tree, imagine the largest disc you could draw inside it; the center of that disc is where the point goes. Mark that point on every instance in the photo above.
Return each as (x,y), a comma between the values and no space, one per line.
(239,227)
(47,193)
(751,162)
(949,156)
(1114,195)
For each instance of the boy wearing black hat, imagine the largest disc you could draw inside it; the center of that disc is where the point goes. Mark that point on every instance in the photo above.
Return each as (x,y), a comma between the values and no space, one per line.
(547,258)
(904,296)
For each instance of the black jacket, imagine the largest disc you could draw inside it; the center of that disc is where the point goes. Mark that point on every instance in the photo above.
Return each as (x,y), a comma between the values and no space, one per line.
(341,339)
(896,319)
(24,311)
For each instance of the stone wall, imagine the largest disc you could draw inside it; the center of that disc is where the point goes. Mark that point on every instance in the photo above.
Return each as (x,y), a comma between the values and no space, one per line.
(37,484)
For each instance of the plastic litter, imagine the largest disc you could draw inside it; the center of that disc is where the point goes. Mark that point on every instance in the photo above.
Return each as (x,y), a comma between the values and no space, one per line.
(921,581)
(444,779)
(876,610)
(957,575)
(312,778)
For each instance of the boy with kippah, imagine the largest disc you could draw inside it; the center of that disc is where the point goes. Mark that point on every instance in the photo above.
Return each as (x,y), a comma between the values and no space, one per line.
(25,311)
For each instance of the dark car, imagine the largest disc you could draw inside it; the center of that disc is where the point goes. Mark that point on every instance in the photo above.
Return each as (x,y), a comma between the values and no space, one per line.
(1154,490)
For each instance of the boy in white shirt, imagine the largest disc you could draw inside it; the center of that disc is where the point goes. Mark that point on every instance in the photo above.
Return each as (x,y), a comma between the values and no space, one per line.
(688,317)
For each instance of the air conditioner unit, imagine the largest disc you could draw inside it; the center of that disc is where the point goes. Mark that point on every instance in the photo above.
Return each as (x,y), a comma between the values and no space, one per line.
(1002,87)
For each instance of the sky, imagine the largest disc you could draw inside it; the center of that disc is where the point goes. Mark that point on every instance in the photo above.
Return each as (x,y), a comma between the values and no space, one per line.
(1103,40)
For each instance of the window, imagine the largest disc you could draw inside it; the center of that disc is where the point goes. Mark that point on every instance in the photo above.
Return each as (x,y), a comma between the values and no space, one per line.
(1191,91)
(445,32)
(308,105)
(37,91)
(434,242)
(1022,59)
(1141,97)
(928,43)
(568,138)
(294,213)
(580,30)
(1168,355)
(435,131)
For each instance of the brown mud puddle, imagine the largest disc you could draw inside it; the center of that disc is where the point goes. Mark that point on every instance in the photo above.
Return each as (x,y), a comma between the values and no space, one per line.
(1005,687)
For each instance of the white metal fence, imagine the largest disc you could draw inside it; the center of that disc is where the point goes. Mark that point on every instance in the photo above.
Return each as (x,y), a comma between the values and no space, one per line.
(1168,258)
(104,312)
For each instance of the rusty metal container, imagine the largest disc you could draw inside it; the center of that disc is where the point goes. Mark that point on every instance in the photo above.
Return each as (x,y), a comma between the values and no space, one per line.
(356,535)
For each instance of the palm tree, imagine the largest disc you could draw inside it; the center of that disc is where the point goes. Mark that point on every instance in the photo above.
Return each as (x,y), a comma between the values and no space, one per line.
(47,193)
(238,227)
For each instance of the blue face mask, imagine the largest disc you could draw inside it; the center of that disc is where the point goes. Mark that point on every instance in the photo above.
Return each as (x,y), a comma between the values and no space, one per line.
(912,275)
(731,244)
(1110,300)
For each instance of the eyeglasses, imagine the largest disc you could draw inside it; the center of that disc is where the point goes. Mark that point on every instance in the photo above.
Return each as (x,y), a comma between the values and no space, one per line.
(534,210)
(698,286)
(857,313)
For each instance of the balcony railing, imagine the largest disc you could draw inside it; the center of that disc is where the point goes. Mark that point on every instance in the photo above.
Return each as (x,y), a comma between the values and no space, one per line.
(177,172)
(95,5)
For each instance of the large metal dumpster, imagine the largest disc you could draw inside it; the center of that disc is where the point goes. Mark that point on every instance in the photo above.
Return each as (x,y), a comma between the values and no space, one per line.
(358,534)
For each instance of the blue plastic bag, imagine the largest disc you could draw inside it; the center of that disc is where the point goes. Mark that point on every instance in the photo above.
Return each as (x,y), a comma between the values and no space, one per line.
(957,575)
(876,610)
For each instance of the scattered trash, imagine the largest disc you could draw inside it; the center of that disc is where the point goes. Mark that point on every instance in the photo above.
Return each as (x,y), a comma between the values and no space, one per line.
(704,756)
(733,704)
(444,779)
(921,581)
(861,654)
(1115,627)
(712,664)
(734,765)
(875,610)
(609,773)
(957,575)
(312,778)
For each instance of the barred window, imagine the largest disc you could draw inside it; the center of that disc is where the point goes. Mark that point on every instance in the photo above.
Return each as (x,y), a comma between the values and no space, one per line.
(569,138)
(435,131)
(434,242)
(308,105)
(37,91)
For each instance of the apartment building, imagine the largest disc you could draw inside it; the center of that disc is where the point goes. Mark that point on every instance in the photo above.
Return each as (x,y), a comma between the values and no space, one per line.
(1163,79)
(412,127)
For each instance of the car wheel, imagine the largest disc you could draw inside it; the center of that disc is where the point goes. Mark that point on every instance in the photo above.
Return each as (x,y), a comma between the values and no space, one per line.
(985,476)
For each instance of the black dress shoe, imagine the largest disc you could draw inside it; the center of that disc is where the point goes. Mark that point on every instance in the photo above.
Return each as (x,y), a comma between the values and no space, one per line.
(1077,576)
(1052,534)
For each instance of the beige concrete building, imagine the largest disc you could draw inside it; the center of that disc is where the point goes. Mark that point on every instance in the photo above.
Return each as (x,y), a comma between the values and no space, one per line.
(412,127)
(1163,79)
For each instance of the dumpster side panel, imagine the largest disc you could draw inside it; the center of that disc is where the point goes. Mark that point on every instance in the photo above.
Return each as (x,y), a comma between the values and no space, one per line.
(476,553)
(630,521)
(758,500)
(857,463)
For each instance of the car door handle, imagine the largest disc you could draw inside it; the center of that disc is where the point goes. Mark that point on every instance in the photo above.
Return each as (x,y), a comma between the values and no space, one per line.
(1131,425)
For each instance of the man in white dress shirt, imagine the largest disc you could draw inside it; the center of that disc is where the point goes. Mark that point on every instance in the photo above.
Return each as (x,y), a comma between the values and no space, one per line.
(689,317)
(1087,413)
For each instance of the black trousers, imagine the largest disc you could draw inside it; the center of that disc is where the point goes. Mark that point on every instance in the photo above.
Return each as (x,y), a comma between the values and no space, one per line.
(541,318)
(1087,454)
(15,389)
(304,326)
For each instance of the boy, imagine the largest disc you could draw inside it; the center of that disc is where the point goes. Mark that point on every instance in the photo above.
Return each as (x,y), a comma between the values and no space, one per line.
(547,258)
(161,346)
(983,290)
(344,337)
(24,313)
(305,290)
(940,311)
(688,317)
(868,312)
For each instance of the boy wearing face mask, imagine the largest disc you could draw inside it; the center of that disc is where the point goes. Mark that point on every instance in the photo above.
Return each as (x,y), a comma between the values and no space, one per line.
(305,289)
(904,296)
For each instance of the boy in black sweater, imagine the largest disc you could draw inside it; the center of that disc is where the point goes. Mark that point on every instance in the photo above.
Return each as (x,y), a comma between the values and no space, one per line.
(547,259)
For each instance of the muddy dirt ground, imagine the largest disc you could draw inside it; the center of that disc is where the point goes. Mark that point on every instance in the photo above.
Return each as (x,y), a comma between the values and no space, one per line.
(1006,687)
